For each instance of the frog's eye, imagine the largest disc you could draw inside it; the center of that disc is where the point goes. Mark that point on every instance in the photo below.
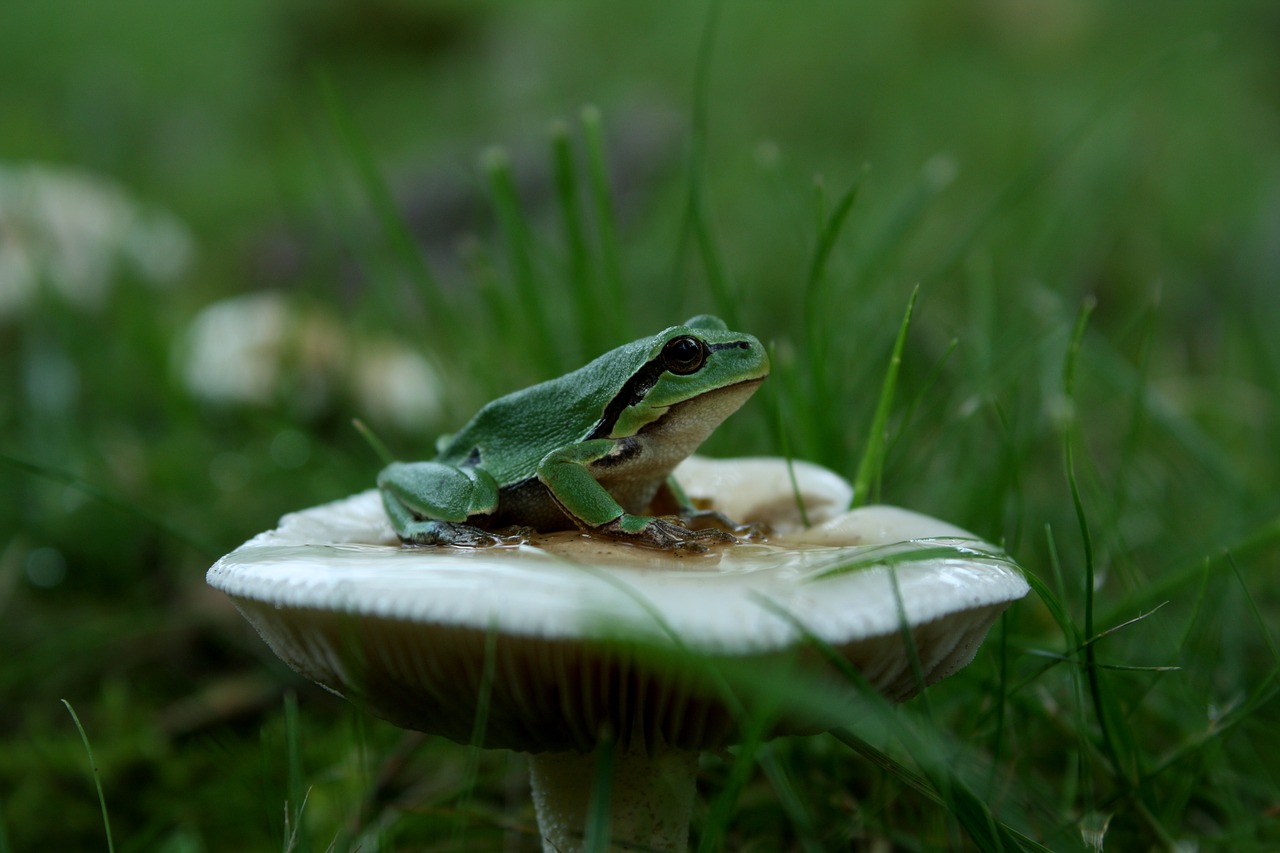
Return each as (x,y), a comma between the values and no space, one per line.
(684,355)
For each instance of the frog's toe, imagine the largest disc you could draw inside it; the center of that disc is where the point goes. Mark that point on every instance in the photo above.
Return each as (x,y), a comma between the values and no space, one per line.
(473,537)
(752,531)
(712,536)
(431,532)
(666,535)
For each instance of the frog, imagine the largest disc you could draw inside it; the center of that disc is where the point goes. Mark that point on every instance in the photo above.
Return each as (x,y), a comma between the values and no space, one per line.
(591,450)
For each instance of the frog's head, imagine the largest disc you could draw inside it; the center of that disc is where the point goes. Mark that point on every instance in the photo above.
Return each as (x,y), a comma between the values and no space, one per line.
(690,377)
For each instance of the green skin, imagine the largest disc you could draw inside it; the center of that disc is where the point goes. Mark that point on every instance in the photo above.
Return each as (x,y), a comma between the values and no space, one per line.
(593,449)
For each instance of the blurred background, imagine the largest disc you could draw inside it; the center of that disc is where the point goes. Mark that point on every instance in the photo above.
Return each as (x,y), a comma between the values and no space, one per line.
(227,229)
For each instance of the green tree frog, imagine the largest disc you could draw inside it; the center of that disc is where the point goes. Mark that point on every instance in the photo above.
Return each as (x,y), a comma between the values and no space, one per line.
(593,449)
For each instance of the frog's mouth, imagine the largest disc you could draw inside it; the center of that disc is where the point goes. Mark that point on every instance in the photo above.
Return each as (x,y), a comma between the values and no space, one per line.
(689,422)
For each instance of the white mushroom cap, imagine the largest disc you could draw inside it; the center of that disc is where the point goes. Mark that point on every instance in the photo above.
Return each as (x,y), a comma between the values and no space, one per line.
(405,630)
(752,489)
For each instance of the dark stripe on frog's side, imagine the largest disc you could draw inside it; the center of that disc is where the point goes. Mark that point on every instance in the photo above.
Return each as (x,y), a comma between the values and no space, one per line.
(633,391)
(638,385)
(624,450)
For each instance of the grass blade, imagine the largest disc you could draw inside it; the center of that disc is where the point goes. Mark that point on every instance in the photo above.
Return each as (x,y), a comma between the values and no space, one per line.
(815,331)
(105,497)
(383,452)
(905,217)
(913,551)
(515,233)
(939,782)
(801,816)
(827,430)
(773,404)
(596,836)
(759,720)
(583,293)
(1101,703)
(296,837)
(402,243)
(698,212)
(611,323)
(872,464)
(97,781)
(479,726)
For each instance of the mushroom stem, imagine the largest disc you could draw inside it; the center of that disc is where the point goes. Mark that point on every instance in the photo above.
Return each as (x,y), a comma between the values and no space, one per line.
(651,796)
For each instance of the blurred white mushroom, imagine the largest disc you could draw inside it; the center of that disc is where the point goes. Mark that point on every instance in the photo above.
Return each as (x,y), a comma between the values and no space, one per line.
(234,349)
(545,640)
(395,385)
(256,348)
(77,232)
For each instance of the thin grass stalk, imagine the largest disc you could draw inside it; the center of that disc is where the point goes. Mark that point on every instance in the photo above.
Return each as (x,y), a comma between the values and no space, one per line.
(1267,637)
(1039,168)
(939,782)
(1072,640)
(402,243)
(1000,699)
(698,213)
(1011,541)
(515,232)
(97,779)
(584,295)
(816,279)
(159,522)
(479,726)
(600,807)
(904,218)
(800,814)
(1114,369)
(501,313)
(376,444)
(1105,723)
(1198,606)
(773,404)
(296,837)
(760,719)
(612,322)
(828,428)
(926,385)
(1168,584)
(873,455)
(1132,442)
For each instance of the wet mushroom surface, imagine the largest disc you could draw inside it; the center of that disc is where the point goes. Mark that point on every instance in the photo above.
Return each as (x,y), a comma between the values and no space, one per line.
(559,639)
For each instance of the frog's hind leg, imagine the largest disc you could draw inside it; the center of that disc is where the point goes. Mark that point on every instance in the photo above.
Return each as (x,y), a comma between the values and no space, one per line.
(413,530)
(428,503)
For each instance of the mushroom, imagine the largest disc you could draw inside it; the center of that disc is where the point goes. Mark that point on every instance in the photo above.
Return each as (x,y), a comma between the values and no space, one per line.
(552,640)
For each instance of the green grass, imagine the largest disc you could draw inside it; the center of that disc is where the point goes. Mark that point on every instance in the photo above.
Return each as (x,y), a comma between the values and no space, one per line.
(989,172)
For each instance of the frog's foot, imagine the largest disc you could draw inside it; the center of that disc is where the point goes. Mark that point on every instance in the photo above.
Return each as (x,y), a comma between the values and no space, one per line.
(755,531)
(432,532)
(710,519)
(663,534)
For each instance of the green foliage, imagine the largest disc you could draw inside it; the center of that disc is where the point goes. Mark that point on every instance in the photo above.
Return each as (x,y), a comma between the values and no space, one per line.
(996,170)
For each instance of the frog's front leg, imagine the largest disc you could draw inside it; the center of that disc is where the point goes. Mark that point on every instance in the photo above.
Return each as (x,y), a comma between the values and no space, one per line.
(566,474)
(429,503)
